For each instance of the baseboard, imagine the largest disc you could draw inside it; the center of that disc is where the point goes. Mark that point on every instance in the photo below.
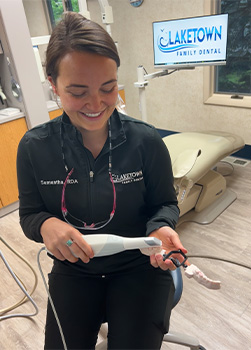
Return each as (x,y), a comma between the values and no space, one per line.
(244,153)
(9,208)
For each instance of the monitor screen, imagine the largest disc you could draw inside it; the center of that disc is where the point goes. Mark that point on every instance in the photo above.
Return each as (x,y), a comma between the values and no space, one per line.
(190,42)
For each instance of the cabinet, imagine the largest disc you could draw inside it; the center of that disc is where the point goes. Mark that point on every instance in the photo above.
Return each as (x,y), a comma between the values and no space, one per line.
(122,92)
(55,113)
(10,135)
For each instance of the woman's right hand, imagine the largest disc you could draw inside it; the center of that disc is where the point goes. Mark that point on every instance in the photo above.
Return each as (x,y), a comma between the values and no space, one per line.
(56,233)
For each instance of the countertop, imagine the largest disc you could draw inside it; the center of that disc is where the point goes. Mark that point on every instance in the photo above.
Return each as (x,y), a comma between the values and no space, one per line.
(51,106)
(8,118)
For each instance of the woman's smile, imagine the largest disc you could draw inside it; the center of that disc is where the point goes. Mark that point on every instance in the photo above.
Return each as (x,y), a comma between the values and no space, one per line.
(92,115)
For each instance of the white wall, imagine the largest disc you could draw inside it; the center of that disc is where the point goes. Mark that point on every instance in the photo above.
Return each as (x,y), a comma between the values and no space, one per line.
(34,9)
(174,102)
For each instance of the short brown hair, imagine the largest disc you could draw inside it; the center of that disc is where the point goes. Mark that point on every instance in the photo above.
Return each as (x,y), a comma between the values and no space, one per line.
(76,33)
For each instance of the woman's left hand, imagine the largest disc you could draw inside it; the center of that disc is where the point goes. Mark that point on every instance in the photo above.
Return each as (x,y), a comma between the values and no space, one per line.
(170,241)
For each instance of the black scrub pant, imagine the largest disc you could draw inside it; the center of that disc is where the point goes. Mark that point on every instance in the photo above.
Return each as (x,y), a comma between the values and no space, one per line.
(136,305)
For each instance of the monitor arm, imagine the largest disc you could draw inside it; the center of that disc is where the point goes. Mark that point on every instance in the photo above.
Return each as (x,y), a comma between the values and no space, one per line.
(141,85)
(143,82)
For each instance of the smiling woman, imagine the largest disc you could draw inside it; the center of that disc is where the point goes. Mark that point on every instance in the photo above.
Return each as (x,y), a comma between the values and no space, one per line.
(107,172)
(84,76)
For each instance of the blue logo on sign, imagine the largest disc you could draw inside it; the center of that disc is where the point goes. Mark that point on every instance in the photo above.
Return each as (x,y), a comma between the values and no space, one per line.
(169,41)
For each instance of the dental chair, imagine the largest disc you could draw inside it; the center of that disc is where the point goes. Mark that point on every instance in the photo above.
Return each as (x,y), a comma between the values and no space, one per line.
(201,191)
(175,338)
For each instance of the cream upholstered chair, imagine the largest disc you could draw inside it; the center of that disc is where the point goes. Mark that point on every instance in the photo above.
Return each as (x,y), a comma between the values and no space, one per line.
(194,156)
(175,338)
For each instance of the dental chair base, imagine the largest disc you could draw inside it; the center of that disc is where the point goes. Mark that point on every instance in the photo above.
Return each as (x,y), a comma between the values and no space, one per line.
(209,214)
(209,188)
(194,156)
(184,340)
(172,338)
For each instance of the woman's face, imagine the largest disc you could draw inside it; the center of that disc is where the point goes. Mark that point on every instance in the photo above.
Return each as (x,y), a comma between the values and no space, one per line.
(88,89)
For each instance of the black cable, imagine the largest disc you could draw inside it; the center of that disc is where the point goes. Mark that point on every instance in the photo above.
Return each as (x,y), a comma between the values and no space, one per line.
(219,259)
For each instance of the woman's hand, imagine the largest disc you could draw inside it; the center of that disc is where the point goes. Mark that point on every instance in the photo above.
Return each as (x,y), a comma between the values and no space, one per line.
(170,241)
(56,233)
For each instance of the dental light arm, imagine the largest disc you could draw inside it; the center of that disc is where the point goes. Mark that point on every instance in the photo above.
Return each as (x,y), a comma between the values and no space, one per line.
(106,12)
(107,15)
(83,10)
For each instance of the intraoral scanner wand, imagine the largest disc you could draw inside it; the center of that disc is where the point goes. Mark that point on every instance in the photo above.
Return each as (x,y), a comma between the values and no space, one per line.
(108,244)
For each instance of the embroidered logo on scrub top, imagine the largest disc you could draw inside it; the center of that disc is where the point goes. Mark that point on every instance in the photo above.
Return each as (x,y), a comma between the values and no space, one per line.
(128,177)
